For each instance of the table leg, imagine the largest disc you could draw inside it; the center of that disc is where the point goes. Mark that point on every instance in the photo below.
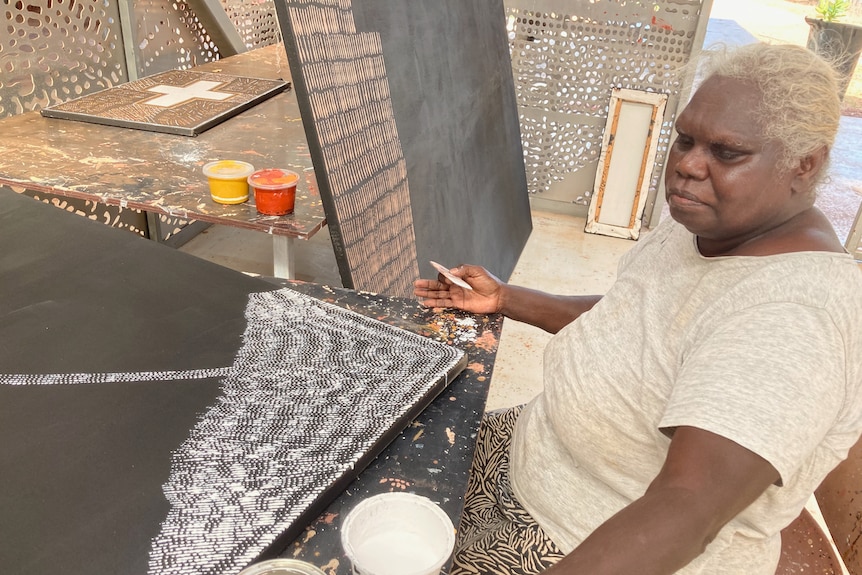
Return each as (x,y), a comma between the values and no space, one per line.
(283,257)
(156,231)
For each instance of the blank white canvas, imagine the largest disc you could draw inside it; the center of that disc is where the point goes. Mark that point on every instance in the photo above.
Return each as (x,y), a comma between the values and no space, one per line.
(625,163)
(625,168)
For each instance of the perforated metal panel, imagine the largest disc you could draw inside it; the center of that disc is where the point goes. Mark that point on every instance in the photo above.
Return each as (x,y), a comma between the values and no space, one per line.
(169,35)
(52,51)
(254,20)
(566,58)
(113,216)
(179,35)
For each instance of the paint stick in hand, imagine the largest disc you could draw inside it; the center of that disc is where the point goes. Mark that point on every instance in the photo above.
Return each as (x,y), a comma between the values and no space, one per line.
(454,279)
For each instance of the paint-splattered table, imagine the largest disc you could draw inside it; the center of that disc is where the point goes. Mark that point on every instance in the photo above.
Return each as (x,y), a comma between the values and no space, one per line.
(160,174)
(95,412)
(432,457)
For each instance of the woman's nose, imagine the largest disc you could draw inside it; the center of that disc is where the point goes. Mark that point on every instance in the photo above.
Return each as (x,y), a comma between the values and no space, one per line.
(691,163)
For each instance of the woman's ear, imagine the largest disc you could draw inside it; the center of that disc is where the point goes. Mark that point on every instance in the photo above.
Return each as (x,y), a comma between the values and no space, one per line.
(807,171)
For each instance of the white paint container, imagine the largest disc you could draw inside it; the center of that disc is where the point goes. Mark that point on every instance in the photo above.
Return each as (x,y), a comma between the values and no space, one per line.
(397,534)
(282,567)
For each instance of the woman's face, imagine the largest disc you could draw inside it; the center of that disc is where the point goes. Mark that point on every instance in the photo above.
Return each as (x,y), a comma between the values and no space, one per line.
(722,177)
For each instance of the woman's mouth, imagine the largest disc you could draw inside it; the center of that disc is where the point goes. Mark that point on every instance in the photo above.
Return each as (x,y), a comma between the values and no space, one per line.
(682,199)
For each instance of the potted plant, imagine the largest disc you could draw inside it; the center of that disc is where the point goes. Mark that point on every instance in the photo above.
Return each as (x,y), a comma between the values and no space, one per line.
(838,42)
(832,10)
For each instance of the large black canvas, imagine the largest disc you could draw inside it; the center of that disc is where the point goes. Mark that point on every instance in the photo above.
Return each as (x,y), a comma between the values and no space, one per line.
(162,414)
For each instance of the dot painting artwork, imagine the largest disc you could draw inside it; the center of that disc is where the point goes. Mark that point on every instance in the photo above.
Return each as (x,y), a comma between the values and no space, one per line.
(182,102)
(411,118)
(313,393)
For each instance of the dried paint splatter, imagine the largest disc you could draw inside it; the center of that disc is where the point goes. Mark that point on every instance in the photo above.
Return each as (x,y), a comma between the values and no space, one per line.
(487,341)
(396,483)
(465,330)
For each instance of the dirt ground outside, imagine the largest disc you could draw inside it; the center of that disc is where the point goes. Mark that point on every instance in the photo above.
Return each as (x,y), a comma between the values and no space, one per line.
(777,21)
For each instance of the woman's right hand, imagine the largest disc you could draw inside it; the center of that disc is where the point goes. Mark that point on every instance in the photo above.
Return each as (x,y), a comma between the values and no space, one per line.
(485,297)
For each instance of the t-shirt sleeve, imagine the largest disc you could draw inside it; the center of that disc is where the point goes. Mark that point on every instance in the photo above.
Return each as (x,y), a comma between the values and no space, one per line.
(770,378)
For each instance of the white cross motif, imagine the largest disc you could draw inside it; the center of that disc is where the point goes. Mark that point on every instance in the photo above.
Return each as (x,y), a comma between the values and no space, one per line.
(174,95)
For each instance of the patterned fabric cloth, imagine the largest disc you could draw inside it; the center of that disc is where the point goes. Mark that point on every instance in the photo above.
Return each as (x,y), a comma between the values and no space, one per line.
(496,534)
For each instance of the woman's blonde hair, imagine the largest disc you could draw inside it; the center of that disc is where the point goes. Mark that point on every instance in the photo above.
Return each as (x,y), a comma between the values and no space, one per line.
(799,108)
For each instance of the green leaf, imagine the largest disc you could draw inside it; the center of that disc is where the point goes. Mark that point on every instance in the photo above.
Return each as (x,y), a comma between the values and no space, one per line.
(832,10)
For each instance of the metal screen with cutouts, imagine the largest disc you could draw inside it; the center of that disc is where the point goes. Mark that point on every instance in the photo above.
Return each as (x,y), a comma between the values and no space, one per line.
(254,21)
(169,35)
(568,57)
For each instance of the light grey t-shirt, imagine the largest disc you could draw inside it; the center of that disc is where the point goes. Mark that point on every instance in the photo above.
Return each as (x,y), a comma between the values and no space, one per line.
(766,351)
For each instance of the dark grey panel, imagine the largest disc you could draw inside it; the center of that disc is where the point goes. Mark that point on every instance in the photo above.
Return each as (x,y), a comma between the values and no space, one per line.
(449,82)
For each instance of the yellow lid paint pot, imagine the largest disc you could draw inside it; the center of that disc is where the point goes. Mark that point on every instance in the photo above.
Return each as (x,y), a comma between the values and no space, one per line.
(228,180)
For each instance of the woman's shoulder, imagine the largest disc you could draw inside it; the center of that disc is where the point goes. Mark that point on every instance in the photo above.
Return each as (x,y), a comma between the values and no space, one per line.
(822,279)
(810,231)
(804,263)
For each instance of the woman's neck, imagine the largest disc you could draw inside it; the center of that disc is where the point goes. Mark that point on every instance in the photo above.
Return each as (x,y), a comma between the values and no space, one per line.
(807,231)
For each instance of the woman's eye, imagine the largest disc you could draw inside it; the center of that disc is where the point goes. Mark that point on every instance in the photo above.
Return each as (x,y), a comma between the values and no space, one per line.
(683,143)
(726,154)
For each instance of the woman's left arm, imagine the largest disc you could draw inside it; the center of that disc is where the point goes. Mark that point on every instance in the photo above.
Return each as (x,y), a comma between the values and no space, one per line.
(706,480)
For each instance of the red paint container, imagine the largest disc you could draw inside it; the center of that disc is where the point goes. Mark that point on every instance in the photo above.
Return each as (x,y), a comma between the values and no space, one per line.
(274,191)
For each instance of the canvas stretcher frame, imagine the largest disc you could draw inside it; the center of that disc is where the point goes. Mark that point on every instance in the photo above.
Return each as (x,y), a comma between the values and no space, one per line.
(628,154)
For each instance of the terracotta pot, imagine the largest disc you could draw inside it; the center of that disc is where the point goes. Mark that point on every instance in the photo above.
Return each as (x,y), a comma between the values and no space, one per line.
(839,43)
(805,549)
(840,500)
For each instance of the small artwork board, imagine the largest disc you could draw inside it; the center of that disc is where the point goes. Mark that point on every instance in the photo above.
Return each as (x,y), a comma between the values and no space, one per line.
(183,102)
(628,154)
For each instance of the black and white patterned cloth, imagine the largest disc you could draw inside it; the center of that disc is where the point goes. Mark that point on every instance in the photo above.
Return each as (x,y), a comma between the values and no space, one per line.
(496,534)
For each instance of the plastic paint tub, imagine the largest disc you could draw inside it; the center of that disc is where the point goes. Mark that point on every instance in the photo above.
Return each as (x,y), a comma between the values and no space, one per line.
(228,180)
(397,534)
(274,191)
(282,567)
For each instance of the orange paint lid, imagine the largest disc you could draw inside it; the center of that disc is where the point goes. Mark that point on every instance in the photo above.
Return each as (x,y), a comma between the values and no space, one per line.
(273,179)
